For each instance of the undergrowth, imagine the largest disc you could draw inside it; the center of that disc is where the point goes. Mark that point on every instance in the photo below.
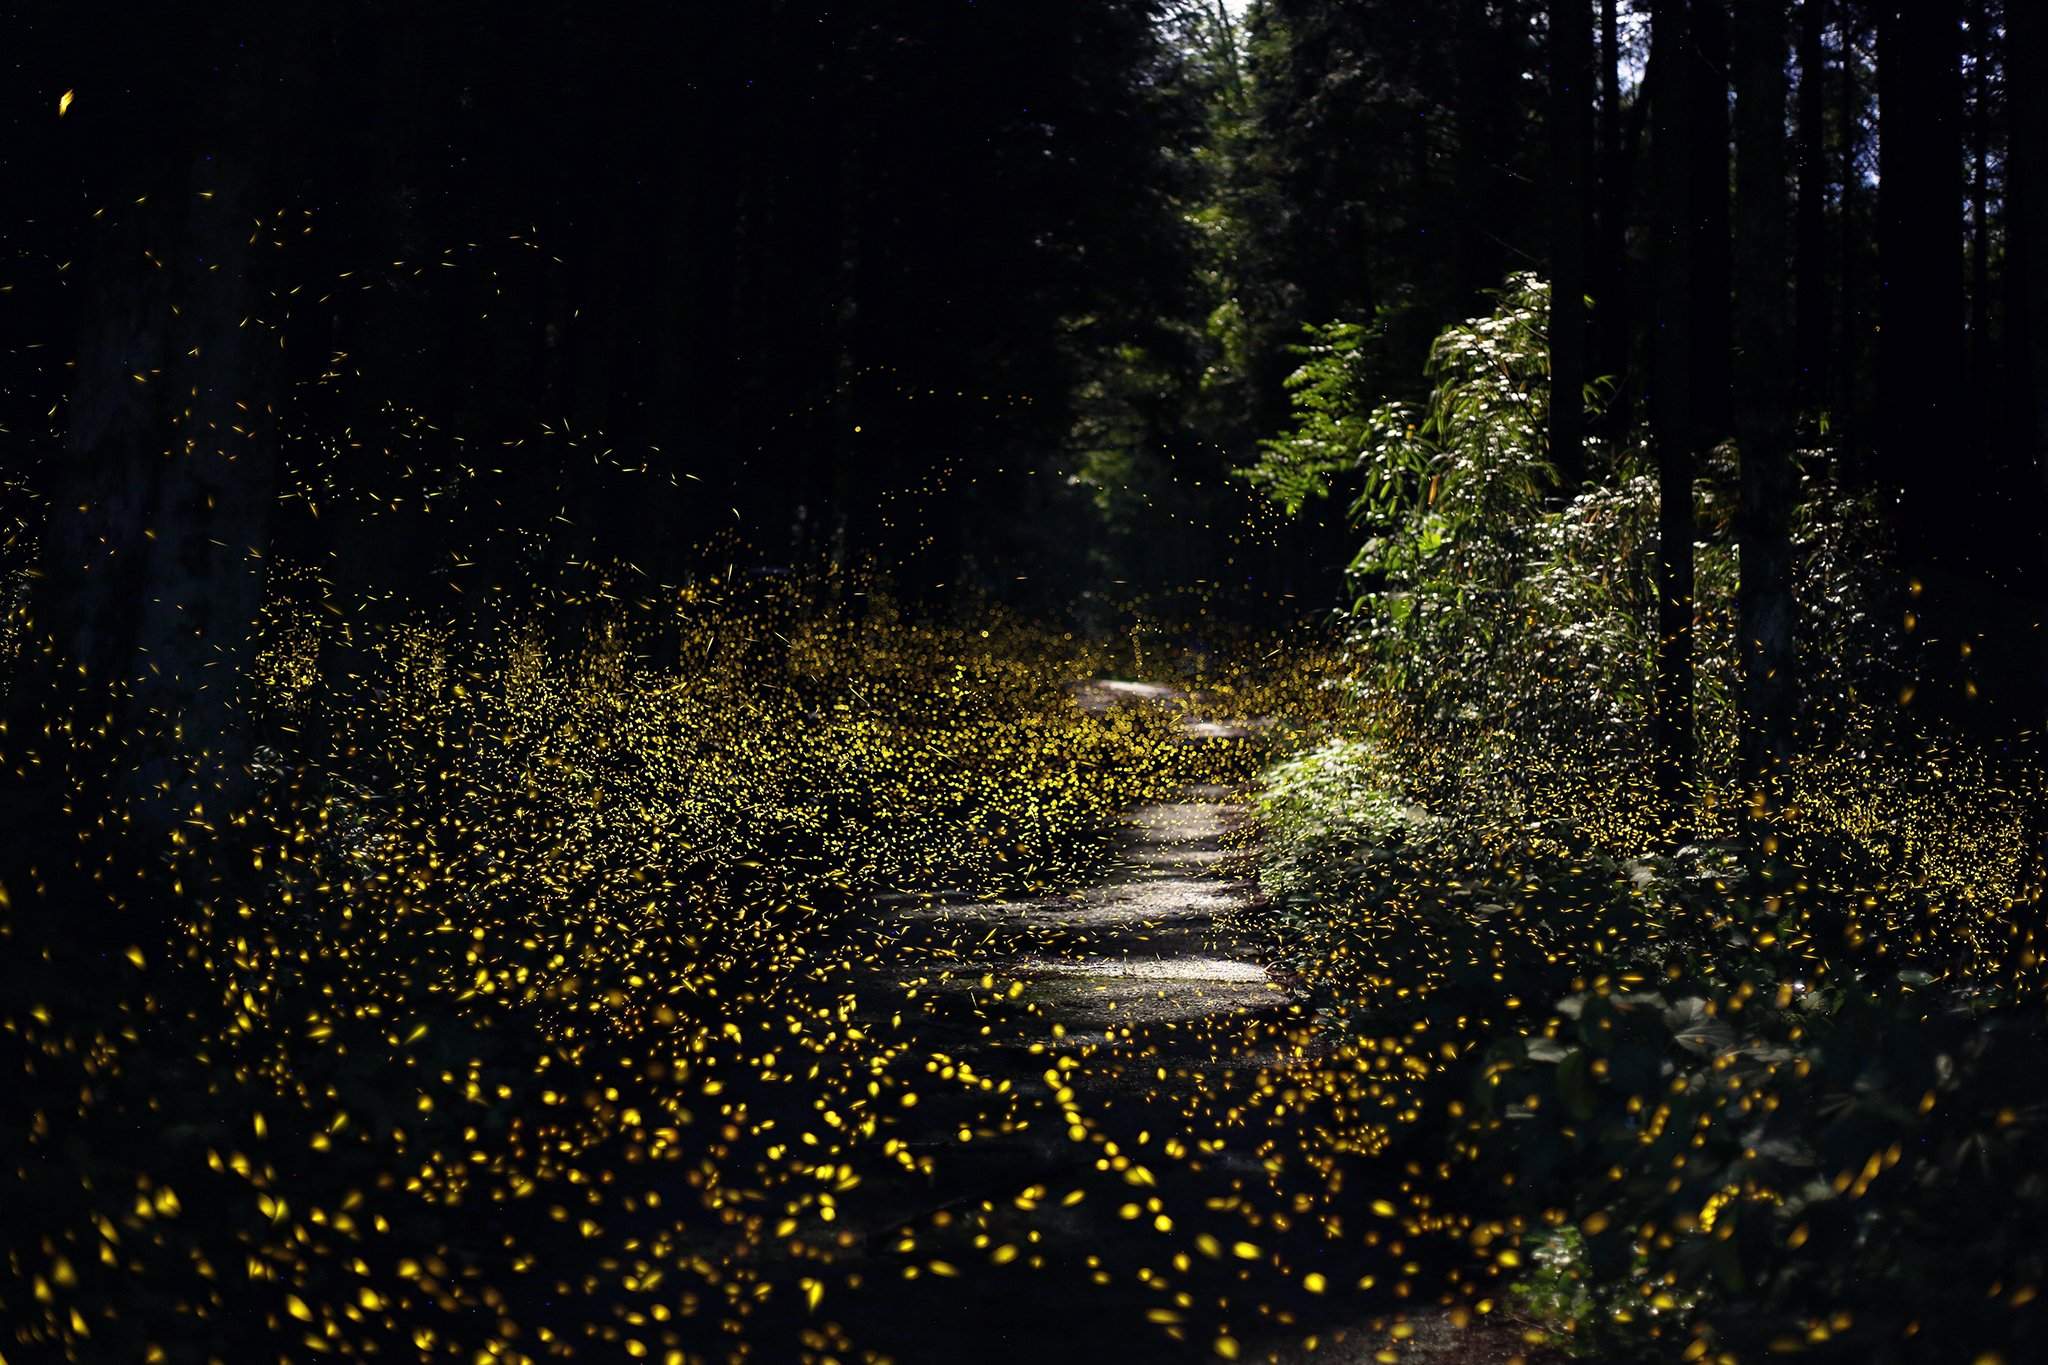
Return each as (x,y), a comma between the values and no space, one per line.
(1761,1093)
(519,1005)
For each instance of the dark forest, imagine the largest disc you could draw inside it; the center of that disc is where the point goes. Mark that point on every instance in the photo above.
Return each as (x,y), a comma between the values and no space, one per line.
(801,681)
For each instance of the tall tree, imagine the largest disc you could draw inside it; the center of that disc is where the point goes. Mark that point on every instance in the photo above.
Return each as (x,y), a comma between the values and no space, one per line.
(1854,321)
(1675,92)
(1983,55)
(1609,270)
(1571,135)
(157,549)
(1810,271)
(1920,268)
(1388,174)
(1764,417)
(2027,79)
(1490,54)
(1610,96)
(1614,290)
(1705,58)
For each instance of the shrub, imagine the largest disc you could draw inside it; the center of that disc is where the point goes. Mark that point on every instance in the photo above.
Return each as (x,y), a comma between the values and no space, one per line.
(1696,1109)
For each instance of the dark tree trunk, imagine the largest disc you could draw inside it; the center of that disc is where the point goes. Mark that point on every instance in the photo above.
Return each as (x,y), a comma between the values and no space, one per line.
(1673,427)
(852,465)
(1920,268)
(1626,296)
(1764,425)
(1571,71)
(1811,269)
(1610,90)
(154,558)
(2027,79)
(1482,89)
(1470,164)
(1851,355)
(1708,156)
(158,541)
(1981,354)
(1609,271)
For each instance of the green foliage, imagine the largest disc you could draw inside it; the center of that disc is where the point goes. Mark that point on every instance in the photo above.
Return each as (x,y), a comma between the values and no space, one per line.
(1332,428)
(1327,808)
(1719,1111)
(1508,622)
(1855,1164)
(1476,456)
(1374,168)
(1505,626)
(1558,1291)
(1771,1120)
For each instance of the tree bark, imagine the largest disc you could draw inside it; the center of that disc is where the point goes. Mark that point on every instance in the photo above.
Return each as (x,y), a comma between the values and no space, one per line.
(1982,358)
(1713,318)
(1476,91)
(1811,269)
(1764,425)
(1612,316)
(2027,79)
(1610,86)
(1673,427)
(1850,355)
(1920,267)
(1571,70)
(159,534)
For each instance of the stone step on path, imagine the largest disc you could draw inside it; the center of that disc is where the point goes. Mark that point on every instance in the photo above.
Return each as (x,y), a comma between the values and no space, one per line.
(1139,991)
(1148,941)
(1149,951)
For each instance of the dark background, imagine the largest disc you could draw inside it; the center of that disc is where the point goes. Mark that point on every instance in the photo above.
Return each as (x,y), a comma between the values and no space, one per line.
(993,293)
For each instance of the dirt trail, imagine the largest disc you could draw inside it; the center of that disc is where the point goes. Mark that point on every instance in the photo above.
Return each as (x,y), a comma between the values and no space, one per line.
(1103,1066)
(1152,941)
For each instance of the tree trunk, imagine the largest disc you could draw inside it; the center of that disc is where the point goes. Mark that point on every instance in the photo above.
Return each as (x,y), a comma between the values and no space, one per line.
(1811,270)
(1920,267)
(1707,63)
(1233,65)
(1610,98)
(2027,79)
(1617,315)
(1764,425)
(155,562)
(1570,133)
(1852,354)
(1981,355)
(1476,79)
(1673,428)
(1608,273)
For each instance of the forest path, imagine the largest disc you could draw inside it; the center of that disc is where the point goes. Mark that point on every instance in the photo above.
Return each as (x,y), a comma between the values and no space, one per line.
(1155,940)
(1100,1068)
